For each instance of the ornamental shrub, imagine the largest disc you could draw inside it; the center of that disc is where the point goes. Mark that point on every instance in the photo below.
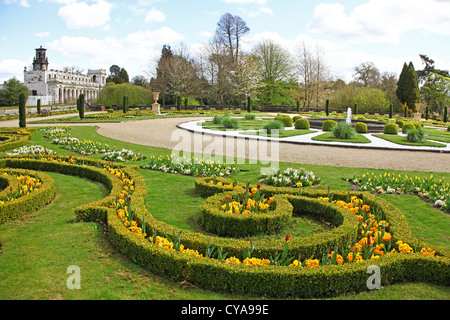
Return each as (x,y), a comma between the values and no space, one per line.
(418,124)
(408,126)
(416,135)
(448,128)
(38,106)
(274,125)
(302,124)
(230,123)
(344,131)
(400,123)
(22,111)
(250,116)
(294,119)
(286,120)
(125,104)
(81,107)
(328,125)
(391,128)
(361,127)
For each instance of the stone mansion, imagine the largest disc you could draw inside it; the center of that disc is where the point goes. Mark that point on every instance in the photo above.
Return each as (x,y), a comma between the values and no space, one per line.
(58,87)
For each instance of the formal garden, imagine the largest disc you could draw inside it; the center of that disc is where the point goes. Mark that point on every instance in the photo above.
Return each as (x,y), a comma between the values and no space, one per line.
(141,225)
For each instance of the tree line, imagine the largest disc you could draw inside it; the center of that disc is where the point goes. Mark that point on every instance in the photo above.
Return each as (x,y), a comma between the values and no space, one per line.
(223,73)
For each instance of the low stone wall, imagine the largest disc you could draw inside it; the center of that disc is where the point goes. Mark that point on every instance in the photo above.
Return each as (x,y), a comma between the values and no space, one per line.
(33,110)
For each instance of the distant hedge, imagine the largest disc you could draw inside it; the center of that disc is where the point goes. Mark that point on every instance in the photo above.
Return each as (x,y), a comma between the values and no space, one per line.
(112,94)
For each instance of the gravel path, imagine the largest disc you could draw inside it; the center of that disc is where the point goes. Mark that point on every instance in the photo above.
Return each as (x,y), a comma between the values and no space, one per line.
(164,133)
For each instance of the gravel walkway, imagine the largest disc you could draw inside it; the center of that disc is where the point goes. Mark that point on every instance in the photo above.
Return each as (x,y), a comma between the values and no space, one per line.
(164,133)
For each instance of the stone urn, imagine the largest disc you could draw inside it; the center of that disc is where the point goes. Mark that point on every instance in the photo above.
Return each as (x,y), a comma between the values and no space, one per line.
(418,114)
(156,106)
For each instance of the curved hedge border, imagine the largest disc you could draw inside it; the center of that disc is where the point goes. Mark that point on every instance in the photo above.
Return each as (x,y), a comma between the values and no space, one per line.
(13,139)
(399,227)
(27,204)
(216,221)
(241,279)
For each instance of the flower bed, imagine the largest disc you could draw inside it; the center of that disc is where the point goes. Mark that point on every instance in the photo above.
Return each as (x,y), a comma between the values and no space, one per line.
(192,167)
(31,150)
(11,138)
(436,191)
(24,192)
(244,213)
(291,177)
(316,270)
(61,136)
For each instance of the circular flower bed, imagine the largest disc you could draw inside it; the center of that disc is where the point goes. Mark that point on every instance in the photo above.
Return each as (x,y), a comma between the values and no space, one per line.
(245,213)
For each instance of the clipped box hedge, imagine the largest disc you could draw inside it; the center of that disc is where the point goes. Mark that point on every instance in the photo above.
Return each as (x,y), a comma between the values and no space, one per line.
(216,221)
(29,203)
(279,282)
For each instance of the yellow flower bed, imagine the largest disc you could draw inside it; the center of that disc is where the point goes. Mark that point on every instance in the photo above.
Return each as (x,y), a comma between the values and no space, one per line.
(26,185)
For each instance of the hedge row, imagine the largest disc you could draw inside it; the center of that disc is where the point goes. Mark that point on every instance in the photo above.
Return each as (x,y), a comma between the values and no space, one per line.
(13,140)
(214,220)
(215,275)
(29,203)
(399,227)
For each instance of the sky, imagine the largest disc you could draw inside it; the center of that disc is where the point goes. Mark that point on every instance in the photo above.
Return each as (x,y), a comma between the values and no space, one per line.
(95,34)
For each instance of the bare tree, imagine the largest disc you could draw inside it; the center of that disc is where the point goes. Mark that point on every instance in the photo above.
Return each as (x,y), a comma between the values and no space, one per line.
(368,75)
(229,32)
(73,69)
(314,74)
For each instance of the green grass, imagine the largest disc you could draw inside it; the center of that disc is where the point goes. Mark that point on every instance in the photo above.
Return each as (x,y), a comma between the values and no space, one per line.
(329,137)
(245,125)
(283,134)
(403,141)
(438,135)
(426,222)
(37,250)
(182,208)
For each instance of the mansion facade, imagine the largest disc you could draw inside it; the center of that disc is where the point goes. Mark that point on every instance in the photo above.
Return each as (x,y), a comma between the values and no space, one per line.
(58,87)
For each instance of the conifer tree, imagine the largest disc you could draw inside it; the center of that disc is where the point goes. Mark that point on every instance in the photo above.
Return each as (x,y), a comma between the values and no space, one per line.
(408,87)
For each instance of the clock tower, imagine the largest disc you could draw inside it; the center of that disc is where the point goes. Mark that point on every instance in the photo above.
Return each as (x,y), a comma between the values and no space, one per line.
(40,61)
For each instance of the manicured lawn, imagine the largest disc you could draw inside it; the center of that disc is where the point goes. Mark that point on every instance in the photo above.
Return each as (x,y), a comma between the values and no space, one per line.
(329,137)
(283,134)
(427,223)
(438,135)
(37,250)
(244,125)
(403,141)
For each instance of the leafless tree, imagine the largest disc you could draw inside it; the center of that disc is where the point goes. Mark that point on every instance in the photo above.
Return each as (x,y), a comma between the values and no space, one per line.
(368,75)
(314,74)
(229,32)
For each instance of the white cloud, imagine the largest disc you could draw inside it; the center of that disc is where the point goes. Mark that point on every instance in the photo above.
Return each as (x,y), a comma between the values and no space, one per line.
(133,52)
(260,11)
(381,20)
(22,3)
(42,34)
(79,15)
(259,2)
(154,15)
(206,34)
(11,68)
